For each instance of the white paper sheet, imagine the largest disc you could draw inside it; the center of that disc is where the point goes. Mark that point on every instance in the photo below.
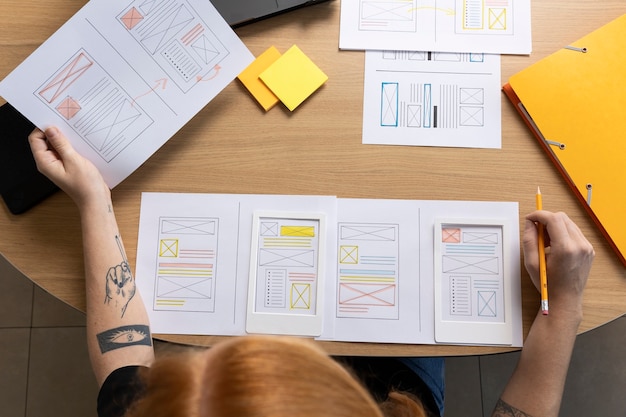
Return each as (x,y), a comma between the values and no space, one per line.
(121,79)
(381,294)
(194,253)
(432,99)
(195,258)
(386,278)
(489,26)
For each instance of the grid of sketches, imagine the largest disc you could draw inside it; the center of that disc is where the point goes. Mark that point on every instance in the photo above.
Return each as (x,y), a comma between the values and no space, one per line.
(287,266)
(472,273)
(432,99)
(275,271)
(94,105)
(489,26)
(367,272)
(177,38)
(186,264)
(121,79)
(469,16)
(429,105)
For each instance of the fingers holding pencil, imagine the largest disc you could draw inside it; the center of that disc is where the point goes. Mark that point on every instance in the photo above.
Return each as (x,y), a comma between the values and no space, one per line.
(569,255)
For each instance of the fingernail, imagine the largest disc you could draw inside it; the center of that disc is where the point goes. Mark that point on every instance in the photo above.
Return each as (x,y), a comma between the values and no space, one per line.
(52,131)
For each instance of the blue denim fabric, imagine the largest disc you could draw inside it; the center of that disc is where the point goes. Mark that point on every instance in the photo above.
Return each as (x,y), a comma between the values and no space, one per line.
(432,372)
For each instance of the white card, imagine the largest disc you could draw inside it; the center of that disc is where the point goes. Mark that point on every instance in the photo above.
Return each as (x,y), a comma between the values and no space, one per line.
(287,268)
(474,281)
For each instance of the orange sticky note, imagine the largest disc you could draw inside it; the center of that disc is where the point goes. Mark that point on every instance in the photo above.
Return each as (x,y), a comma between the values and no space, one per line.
(250,78)
(293,77)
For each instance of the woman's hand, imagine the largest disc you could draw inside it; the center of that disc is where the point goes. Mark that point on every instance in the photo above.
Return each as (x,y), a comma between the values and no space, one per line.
(70,171)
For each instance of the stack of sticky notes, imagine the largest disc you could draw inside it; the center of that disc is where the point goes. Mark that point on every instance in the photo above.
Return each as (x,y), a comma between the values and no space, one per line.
(291,78)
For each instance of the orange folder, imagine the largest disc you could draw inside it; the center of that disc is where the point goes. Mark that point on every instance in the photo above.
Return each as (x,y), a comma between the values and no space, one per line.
(574,102)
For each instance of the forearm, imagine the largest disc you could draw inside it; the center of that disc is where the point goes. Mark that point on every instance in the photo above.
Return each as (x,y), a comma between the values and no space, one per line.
(536,386)
(117,324)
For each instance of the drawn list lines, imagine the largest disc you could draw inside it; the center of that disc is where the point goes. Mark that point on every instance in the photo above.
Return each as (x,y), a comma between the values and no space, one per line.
(275,288)
(280,282)
(486,293)
(94,105)
(287,265)
(460,296)
(186,264)
(193,34)
(388,15)
(368,271)
(177,38)
(485,17)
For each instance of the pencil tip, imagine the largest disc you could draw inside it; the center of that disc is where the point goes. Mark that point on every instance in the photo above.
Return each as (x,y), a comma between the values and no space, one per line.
(538,190)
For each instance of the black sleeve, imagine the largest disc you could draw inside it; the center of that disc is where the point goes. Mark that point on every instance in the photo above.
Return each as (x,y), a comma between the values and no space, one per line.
(119,391)
(380,375)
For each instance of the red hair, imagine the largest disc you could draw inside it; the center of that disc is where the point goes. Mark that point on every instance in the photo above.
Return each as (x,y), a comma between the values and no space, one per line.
(260,376)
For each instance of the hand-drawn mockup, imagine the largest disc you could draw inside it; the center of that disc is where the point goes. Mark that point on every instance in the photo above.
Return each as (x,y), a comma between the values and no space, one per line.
(472,273)
(367,271)
(177,38)
(471,288)
(186,267)
(287,273)
(287,265)
(337,269)
(120,80)
(490,26)
(380,292)
(196,256)
(432,99)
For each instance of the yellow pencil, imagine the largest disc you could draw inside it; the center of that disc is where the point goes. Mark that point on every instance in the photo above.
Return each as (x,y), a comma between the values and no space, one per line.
(543,282)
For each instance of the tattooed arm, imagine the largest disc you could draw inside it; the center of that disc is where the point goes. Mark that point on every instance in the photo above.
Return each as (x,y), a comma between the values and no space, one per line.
(536,386)
(118,332)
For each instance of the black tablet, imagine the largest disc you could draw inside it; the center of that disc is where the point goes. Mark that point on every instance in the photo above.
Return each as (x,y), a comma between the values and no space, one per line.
(21,185)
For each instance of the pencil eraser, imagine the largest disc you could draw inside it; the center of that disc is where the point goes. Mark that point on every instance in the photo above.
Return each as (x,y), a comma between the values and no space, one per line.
(293,77)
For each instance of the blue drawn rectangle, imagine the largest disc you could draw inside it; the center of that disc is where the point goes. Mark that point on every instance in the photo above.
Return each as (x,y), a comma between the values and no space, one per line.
(427,105)
(477,57)
(389,105)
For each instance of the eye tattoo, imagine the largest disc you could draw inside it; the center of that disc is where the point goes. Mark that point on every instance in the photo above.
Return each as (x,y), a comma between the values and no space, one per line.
(124,336)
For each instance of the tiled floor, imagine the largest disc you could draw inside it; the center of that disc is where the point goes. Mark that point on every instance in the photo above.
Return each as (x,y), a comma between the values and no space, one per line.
(44,367)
